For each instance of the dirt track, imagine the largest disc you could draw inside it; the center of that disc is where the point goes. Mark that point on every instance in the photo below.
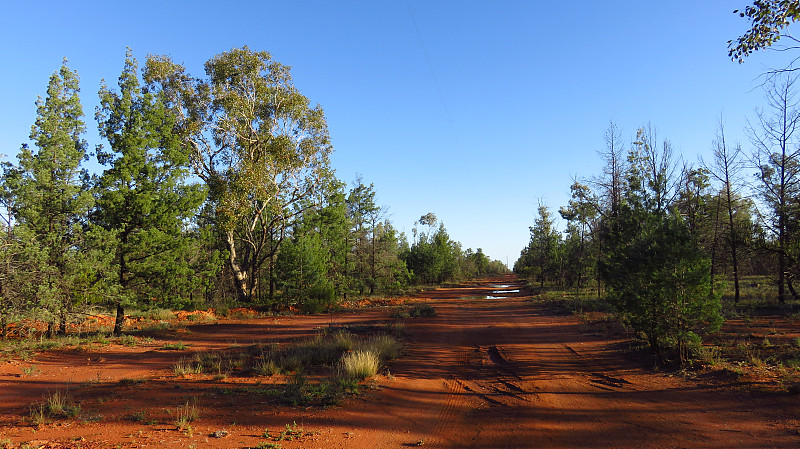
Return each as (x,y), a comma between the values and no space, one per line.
(483,373)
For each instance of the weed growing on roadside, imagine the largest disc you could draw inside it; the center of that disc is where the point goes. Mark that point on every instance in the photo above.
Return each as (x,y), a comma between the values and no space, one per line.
(179,346)
(185,367)
(266,445)
(144,418)
(186,414)
(708,355)
(56,405)
(290,433)
(32,370)
(153,314)
(128,340)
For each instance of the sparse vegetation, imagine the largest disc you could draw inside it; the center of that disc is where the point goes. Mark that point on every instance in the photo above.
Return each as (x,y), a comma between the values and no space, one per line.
(186,414)
(340,358)
(58,405)
(415,311)
(31,370)
(179,346)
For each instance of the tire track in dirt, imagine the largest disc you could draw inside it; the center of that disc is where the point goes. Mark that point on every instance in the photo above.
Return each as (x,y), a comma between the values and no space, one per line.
(485,372)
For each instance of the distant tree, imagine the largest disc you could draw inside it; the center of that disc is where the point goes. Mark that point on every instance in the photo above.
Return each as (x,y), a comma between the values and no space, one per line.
(390,272)
(726,169)
(334,226)
(433,256)
(361,210)
(302,268)
(776,156)
(543,255)
(51,200)
(13,304)
(256,142)
(611,185)
(581,214)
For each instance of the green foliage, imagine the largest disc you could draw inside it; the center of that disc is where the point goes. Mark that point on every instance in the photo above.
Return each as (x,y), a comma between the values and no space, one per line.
(143,201)
(48,200)
(541,258)
(768,19)
(256,142)
(302,268)
(660,282)
(433,257)
(179,346)
(656,275)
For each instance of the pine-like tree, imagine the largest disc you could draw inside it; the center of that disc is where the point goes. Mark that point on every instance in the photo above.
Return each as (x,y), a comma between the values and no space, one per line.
(143,201)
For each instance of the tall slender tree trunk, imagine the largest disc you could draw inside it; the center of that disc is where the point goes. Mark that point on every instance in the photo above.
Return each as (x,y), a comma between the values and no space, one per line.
(714,241)
(734,257)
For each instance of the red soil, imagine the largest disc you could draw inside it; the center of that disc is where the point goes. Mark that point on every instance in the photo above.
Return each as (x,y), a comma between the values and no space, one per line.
(482,373)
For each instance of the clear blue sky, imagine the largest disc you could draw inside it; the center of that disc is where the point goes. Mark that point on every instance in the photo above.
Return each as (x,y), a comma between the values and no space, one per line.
(473,110)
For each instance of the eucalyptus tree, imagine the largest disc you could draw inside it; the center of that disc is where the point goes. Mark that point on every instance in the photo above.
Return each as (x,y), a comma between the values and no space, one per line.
(768,22)
(143,201)
(256,141)
(51,200)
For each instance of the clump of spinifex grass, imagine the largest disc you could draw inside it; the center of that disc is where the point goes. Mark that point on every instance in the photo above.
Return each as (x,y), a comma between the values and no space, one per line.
(360,364)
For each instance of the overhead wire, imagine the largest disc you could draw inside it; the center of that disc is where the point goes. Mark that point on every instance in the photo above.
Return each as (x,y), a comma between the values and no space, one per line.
(436,83)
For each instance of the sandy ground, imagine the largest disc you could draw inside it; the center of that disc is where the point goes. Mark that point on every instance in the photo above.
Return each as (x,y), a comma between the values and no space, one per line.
(485,372)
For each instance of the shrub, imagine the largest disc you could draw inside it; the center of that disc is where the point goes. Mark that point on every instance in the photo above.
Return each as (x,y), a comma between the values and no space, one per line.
(422,310)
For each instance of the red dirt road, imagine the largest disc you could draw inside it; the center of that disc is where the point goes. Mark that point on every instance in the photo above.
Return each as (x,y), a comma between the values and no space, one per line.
(497,372)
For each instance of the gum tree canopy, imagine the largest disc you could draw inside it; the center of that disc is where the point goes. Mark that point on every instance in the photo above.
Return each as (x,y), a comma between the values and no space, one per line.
(768,19)
(256,142)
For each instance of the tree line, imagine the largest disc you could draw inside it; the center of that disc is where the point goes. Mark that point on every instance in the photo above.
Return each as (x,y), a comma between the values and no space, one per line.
(660,238)
(211,189)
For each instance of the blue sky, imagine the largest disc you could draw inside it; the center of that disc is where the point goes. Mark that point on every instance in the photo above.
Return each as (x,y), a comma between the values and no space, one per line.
(472,110)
